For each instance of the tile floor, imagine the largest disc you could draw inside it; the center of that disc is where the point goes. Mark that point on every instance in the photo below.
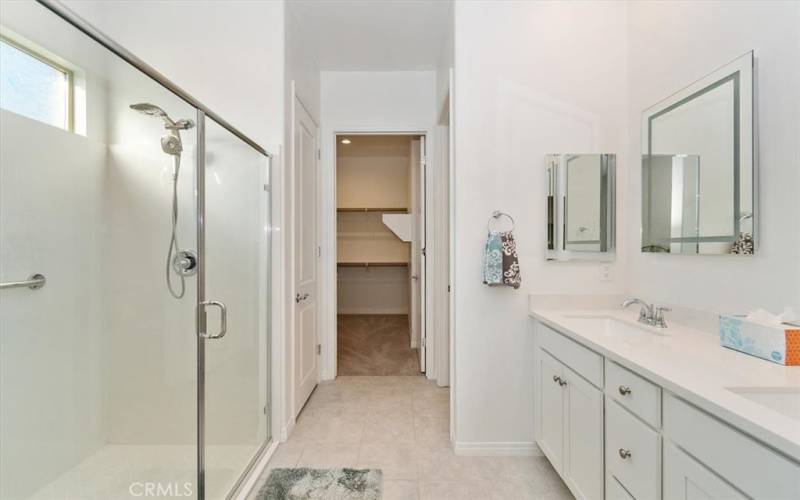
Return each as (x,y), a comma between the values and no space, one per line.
(375,345)
(401,426)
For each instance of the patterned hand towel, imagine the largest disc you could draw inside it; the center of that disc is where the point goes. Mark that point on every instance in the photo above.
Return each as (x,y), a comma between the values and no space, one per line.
(501,265)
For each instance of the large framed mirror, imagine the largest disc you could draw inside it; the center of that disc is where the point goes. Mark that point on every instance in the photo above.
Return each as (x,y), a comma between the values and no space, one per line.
(698,172)
(581,206)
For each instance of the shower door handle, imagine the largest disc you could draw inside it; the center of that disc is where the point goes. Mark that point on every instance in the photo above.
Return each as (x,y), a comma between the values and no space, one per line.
(223,316)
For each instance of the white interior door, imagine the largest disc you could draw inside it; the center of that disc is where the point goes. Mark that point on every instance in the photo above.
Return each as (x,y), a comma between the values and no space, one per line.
(305,256)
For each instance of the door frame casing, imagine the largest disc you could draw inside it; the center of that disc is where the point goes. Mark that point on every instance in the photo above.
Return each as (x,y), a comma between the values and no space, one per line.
(327,223)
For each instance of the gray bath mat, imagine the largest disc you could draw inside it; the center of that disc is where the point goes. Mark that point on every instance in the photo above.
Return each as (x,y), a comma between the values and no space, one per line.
(324,484)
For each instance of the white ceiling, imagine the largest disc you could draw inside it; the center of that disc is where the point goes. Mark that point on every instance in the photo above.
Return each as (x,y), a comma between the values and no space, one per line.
(373,35)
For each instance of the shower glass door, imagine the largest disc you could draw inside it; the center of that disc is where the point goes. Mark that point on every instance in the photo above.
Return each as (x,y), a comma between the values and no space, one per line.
(235,267)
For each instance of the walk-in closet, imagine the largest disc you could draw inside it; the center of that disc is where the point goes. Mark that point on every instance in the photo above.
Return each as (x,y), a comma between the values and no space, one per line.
(380,229)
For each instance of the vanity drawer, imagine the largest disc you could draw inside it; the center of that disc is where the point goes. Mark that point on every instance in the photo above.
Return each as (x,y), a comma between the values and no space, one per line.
(633,453)
(745,463)
(585,362)
(635,393)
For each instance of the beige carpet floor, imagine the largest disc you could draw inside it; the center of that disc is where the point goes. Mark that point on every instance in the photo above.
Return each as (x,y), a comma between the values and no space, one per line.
(375,345)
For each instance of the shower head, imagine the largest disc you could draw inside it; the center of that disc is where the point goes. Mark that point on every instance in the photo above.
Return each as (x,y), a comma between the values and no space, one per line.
(152,110)
(170,143)
(149,109)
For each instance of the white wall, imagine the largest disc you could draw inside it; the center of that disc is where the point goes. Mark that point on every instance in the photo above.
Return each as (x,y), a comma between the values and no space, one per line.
(373,172)
(358,101)
(229,55)
(52,406)
(53,410)
(377,290)
(555,77)
(531,78)
(707,35)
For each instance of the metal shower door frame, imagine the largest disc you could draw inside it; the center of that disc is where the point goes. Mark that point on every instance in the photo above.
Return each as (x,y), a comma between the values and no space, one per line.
(200,317)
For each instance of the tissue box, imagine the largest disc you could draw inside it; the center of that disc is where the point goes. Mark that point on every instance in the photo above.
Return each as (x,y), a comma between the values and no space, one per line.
(779,344)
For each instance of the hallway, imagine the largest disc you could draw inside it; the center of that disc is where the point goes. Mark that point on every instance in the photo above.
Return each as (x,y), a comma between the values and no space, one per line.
(401,426)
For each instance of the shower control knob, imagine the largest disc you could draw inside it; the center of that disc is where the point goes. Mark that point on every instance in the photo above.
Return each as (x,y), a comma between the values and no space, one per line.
(185,263)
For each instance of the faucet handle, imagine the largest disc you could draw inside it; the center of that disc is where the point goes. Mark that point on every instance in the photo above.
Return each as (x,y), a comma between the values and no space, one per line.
(658,316)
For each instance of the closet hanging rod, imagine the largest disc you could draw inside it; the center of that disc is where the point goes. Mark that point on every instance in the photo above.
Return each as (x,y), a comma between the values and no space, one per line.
(372,264)
(365,209)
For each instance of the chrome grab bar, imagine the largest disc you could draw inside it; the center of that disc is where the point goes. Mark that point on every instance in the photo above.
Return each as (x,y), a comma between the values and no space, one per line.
(223,312)
(34,282)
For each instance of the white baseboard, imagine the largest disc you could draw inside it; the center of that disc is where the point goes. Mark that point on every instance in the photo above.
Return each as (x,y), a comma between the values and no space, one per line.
(250,482)
(287,429)
(501,449)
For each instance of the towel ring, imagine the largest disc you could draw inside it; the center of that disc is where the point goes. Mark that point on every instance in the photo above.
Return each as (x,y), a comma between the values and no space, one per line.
(496,216)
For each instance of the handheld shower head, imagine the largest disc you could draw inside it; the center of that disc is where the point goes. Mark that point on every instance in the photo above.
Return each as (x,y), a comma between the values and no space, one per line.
(152,110)
(148,109)
(170,143)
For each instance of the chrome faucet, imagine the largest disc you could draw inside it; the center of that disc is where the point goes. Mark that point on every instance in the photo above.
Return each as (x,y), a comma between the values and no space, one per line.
(649,314)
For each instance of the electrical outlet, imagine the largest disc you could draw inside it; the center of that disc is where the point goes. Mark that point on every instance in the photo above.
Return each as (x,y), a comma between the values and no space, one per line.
(605,272)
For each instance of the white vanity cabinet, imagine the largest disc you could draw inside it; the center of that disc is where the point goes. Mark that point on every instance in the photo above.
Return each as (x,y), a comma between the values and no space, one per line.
(632,430)
(612,433)
(687,479)
(570,426)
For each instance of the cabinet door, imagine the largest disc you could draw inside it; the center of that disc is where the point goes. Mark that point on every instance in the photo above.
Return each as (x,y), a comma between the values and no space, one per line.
(583,461)
(615,491)
(685,479)
(551,440)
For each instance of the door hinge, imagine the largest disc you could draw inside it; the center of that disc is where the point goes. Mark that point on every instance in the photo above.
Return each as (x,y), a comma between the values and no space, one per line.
(319,154)
(319,251)
(319,349)
(424,252)
(424,342)
(266,410)
(448,288)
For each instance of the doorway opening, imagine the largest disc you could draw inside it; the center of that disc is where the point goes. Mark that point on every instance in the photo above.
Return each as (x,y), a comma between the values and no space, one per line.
(380,254)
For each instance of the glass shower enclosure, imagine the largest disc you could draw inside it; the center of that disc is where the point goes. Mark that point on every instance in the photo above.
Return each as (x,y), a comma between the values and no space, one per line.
(137,363)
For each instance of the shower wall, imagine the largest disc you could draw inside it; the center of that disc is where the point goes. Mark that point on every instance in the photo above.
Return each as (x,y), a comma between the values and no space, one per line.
(52,411)
(151,354)
(52,407)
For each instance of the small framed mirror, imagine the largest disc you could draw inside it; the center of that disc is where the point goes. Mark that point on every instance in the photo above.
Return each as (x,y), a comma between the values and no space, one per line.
(697,166)
(581,206)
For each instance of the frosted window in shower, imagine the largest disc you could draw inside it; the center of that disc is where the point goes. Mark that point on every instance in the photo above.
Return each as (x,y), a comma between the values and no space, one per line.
(32,86)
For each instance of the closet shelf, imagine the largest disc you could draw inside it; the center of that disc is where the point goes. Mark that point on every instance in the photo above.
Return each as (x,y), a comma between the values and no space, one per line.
(372,264)
(371,209)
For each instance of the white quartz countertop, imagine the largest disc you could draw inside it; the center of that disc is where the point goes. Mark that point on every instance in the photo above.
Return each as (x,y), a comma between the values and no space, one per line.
(693,365)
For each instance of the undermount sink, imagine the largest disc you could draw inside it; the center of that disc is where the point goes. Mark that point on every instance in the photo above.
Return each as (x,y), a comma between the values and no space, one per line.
(784,400)
(608,326)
